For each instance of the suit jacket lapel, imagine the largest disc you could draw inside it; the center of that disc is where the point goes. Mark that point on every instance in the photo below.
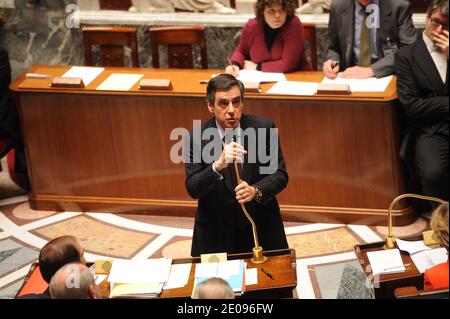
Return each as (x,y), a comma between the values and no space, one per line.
(348,27)
(426,64)
(385,26)
(246,167)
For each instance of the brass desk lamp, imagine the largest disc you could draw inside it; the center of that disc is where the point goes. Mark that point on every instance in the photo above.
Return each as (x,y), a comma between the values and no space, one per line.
(258,257)
(390,239)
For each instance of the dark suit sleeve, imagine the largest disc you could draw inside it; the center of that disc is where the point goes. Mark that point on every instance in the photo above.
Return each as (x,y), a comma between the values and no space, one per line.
(334,51)
(200,177)
(272,184)
(416,107)
(406,35)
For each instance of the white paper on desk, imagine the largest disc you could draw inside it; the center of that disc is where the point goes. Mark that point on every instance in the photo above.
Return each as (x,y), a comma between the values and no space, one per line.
(120,82)
(251,276)
(386,261)
(362,85)
(140,271)
(429,258)
(229,268)
(294,88)
(411,246)
(179,276)
(259,76)
(88,74)
(206,270)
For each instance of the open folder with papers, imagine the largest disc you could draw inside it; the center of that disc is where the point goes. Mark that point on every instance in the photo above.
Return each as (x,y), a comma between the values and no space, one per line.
(231,271)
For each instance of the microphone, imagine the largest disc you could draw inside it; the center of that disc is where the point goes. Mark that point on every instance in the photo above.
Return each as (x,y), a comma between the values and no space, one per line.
(258,256)
(390,239)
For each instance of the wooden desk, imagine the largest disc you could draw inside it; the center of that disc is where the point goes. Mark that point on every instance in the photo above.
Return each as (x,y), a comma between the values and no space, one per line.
(281,264)
(92,150)
(385,285)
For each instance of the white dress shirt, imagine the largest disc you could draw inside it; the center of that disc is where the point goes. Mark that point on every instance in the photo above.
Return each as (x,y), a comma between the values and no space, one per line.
(439,58)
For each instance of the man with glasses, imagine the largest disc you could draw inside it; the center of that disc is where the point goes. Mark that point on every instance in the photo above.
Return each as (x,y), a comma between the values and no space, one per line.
(422,86)
(220,223)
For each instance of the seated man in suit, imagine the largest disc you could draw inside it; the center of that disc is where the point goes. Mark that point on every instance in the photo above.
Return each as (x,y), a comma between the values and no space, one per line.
(422,71)
(220,223)
(55,254)
(363,36)
(74,281)
(436,277)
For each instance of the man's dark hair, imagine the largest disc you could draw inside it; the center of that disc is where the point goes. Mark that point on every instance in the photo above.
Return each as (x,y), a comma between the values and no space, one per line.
(441,5)
(222,82)
(287,5)
(56,253)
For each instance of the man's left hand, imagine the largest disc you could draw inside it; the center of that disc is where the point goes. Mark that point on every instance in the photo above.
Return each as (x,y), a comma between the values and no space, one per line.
(357,72)
(441,41)
(245,193)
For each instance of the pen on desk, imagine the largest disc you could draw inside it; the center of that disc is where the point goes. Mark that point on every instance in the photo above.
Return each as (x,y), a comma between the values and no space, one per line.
(389,268)
(267,274)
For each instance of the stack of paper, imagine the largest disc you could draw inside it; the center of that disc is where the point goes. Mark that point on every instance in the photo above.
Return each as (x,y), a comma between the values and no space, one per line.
(179,276)
(119,82)
(232,271)
(363,85)
(294,88)
(428,258)
(139,277)
(411,247)
(386,261)
(88,74)
(259,76)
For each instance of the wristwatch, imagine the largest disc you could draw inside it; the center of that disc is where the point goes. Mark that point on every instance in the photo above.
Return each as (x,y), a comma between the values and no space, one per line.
(258,194)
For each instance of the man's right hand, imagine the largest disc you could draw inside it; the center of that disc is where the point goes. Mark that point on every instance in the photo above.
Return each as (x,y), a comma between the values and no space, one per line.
(328,69)
(233,70)
(232,151)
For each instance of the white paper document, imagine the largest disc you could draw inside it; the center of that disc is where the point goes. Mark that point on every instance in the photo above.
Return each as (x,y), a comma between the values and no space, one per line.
(429,258)
(120,82)
(259,76)
(411,246)
(140,271)
(362,85)
(179,276)
(386,261)
(294,88)
(251,276)
(88,74)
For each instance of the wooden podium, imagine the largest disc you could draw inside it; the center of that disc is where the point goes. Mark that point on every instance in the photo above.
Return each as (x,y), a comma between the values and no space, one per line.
(385,285)
(280,264)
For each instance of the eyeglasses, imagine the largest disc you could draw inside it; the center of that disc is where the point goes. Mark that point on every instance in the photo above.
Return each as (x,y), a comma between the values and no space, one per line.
(225,103)
(436,23)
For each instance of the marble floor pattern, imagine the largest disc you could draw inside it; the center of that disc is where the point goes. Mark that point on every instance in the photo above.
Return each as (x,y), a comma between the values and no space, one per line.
(325,256)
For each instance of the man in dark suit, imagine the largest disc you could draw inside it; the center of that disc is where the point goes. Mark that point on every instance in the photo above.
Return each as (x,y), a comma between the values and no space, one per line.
(220,223)
(422,86)
(364,50)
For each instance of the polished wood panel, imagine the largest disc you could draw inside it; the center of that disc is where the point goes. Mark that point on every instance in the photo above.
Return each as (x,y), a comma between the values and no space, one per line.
(111,41)
(90,150)
(179,41)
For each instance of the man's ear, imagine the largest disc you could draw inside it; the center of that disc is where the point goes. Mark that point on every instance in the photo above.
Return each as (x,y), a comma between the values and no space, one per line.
(210,108)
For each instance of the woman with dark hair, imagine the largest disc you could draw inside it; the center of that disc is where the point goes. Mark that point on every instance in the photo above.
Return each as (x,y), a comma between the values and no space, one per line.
(271,42)
(436,277)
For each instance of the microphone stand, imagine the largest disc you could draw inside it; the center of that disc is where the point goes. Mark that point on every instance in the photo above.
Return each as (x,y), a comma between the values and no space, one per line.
(390,239)
(258,257)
